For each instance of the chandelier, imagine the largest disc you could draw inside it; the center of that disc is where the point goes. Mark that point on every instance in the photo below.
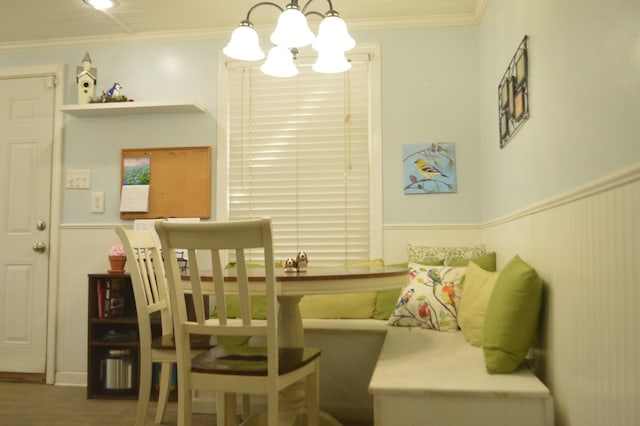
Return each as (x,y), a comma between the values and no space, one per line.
(292,33)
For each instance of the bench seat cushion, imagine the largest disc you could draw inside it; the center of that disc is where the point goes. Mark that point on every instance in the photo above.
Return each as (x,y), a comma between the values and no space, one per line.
(415,360)
(428,377)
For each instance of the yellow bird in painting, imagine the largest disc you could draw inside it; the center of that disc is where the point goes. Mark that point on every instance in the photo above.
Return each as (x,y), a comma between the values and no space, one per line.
(427,170)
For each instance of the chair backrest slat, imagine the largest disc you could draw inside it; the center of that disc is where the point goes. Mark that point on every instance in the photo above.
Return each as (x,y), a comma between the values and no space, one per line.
(148,280)
(220,238)
(218,285)
(243,287)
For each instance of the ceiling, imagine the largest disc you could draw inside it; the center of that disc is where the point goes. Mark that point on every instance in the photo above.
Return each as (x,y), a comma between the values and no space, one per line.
(39,22)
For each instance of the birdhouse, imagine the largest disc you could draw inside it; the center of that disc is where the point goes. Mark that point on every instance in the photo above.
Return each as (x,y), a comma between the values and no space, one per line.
(86,78)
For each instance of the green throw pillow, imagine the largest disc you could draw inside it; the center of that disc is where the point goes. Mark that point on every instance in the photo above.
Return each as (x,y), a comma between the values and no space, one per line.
(478,286)
(385,303)
(387,299)
(365,263)
(425,254)
(486,261)
(512,317)
(258,307)
(347,305)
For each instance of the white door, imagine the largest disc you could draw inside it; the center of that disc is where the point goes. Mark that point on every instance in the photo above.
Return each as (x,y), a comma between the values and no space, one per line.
(26,135)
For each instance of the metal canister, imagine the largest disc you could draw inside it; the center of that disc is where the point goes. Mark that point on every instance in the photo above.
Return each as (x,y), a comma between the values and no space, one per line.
(118,370)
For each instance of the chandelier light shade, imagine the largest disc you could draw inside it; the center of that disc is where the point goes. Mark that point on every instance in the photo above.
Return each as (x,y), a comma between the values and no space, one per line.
(291,33)
(279,63)
(244,44)
(292,30)
(333,35)
(331,61)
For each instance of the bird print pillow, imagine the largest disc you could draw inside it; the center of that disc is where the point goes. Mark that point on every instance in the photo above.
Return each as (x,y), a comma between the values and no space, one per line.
(430,299)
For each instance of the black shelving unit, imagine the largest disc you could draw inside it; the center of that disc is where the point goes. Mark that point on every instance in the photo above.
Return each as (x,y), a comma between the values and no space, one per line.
(112,329)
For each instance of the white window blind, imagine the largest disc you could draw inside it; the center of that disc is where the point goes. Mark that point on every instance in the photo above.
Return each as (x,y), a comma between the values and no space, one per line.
(298,151)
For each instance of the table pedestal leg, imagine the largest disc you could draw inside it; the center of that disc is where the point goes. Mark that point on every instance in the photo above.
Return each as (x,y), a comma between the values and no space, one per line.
(300,420)
(292,408)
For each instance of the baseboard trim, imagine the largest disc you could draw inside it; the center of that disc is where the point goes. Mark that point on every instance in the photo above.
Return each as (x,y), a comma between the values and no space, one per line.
(71,378)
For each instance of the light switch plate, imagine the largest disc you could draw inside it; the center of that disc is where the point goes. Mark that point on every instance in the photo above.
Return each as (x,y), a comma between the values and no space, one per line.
(97,202)
(78,179)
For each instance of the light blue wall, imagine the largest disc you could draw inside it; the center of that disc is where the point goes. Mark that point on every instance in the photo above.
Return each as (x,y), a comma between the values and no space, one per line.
(584,64)
(153,72)
(438,85)
(429,84)
(430,94)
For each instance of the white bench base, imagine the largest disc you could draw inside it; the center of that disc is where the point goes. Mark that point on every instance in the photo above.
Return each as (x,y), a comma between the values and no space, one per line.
(437,378)
(350,348)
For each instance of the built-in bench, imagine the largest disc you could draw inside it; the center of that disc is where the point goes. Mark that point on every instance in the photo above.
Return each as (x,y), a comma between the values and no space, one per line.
(437,378)
(409,375)
(350,349)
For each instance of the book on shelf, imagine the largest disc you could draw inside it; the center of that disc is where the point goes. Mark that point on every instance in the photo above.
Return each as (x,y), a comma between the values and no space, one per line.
(111,298)
(100,296)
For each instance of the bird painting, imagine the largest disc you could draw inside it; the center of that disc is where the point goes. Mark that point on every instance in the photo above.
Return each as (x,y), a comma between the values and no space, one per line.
(427,170)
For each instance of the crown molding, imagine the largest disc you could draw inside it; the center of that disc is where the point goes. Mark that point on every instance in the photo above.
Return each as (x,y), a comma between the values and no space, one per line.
(223,33)
(117,39)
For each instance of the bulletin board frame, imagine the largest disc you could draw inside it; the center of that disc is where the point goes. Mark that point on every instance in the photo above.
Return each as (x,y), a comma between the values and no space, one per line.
(179,182)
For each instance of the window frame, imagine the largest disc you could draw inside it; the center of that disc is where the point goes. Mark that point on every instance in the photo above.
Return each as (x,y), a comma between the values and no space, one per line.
(375,145)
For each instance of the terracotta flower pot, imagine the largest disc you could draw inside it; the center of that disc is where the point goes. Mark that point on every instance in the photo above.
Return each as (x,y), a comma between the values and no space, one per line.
(117,264)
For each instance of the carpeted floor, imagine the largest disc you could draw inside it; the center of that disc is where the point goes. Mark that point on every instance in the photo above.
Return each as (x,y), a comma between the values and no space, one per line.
(28,404)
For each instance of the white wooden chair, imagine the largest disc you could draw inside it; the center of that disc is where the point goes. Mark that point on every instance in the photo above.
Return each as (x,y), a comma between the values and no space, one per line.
(150,293)
(229,369)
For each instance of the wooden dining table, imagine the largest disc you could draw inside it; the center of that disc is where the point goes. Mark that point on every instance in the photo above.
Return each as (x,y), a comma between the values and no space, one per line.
(293,286)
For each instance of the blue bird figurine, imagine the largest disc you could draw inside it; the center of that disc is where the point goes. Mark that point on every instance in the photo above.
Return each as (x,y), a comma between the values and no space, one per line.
(114,91)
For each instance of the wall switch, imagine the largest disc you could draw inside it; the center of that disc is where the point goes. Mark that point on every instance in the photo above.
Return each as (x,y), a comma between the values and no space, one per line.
(97,202)
(78,179)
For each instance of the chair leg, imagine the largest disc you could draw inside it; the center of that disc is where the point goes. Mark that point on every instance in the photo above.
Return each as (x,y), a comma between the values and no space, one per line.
(313,396)
(184,403)
(144,392)
(273,408)
(221,409)
(230,409)
(226,409)
(246,407)
(163,395)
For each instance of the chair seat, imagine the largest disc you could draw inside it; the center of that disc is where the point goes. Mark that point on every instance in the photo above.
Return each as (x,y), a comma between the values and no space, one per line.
(250,360)
(168,342)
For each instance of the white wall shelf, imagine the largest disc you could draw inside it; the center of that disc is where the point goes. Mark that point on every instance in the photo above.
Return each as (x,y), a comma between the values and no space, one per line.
(130,108)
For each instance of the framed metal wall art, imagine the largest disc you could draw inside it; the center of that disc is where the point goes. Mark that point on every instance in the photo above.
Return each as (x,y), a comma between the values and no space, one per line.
(513,95)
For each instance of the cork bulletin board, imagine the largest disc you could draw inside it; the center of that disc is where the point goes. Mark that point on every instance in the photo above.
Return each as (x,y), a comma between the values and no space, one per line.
(178,179)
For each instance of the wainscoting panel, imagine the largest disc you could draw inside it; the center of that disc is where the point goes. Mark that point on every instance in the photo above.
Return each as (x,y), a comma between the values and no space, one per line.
(84,250)
(586,248)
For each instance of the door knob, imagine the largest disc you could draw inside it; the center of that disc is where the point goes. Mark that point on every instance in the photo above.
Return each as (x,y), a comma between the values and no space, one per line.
(39,247)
